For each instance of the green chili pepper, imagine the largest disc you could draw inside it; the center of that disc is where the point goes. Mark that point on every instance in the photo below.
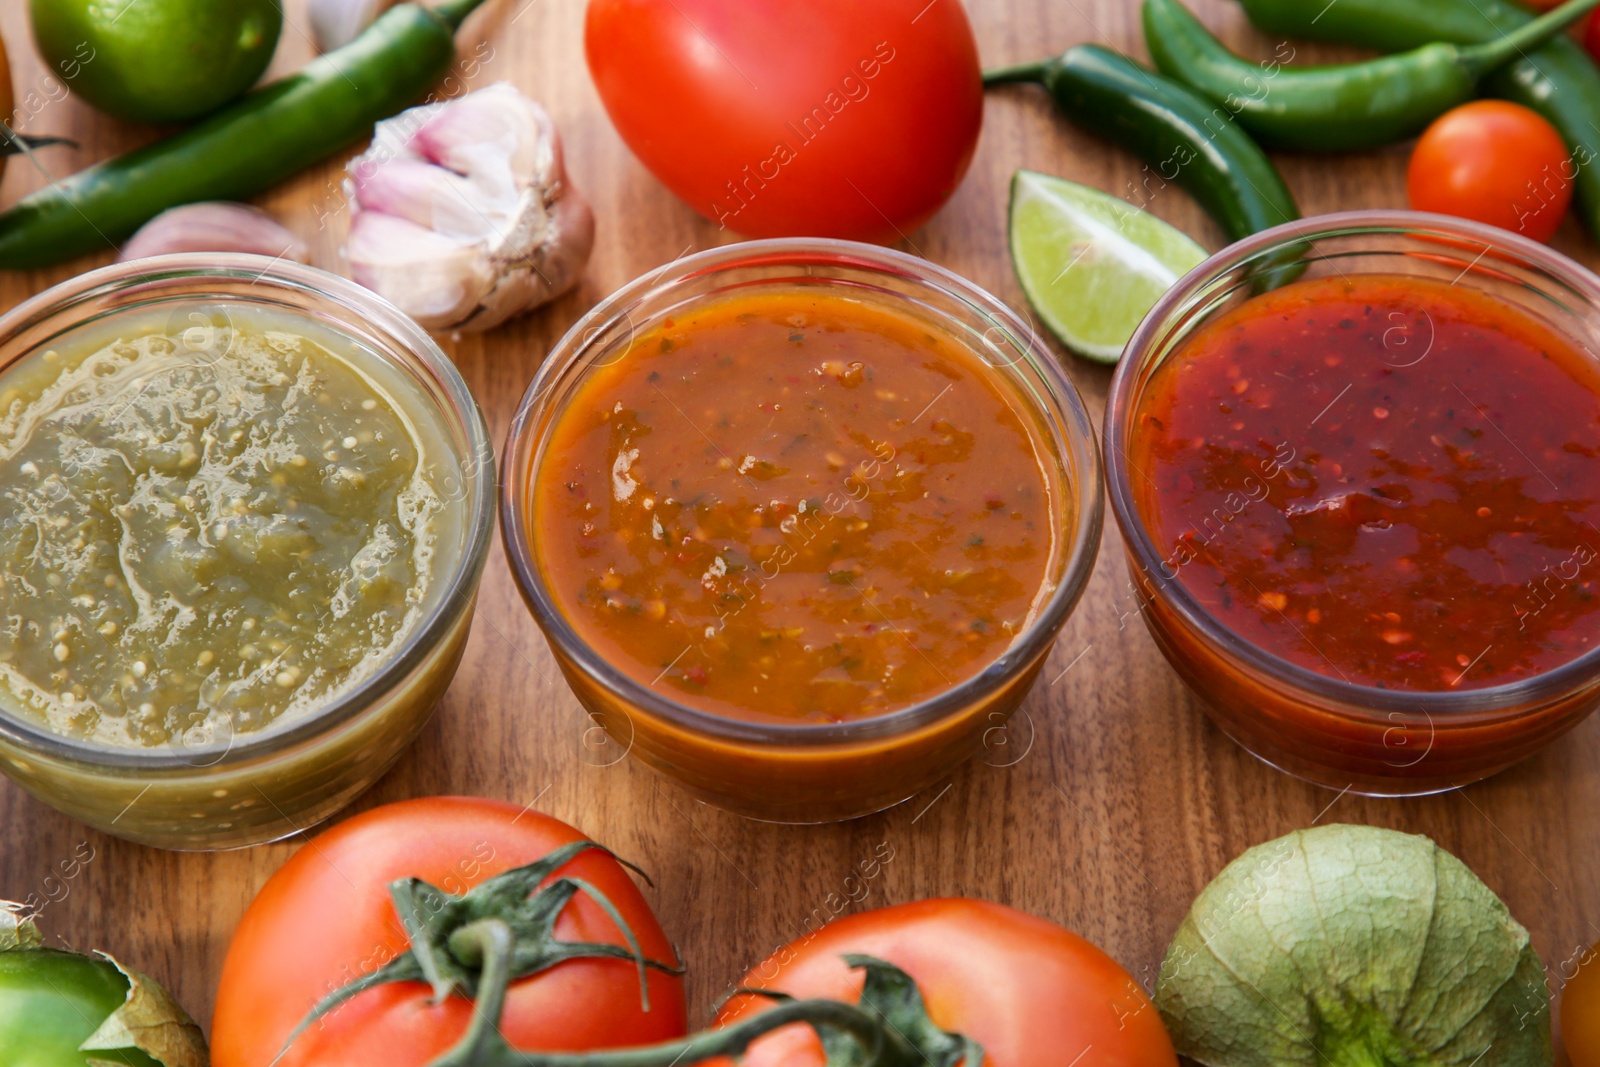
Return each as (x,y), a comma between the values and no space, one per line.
(1336,108)
(1183,138)
(246,148)
(1559,81)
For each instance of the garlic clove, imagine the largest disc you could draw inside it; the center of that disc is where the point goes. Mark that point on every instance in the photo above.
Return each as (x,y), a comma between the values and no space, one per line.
(419,192)
(492,130)
(335,23)
(215,226)
(436,279)
(462,215)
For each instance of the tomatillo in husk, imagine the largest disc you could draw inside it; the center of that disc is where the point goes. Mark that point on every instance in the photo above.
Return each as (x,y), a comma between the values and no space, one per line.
(64,1009)
(1353,946)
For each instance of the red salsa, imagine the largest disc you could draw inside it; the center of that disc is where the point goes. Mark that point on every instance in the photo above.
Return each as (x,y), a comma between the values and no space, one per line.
(1388,480)
(797,507)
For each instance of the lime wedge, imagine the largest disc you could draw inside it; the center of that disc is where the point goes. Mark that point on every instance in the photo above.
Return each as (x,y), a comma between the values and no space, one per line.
(1091,265)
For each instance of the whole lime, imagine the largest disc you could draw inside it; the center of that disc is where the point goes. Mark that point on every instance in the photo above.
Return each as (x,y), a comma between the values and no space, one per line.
(157,61)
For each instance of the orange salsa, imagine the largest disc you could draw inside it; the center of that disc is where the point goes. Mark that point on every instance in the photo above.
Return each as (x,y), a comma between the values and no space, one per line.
(796,507)
(1388,480)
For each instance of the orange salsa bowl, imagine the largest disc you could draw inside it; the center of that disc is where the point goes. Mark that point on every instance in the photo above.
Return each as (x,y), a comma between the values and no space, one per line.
(801,520)
(1356,464)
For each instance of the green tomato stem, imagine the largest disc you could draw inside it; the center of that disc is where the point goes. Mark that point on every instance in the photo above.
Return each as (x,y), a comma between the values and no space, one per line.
(489,944)
(524,901)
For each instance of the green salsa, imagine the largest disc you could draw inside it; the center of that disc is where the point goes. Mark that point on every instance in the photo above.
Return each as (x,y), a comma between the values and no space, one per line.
(210,529)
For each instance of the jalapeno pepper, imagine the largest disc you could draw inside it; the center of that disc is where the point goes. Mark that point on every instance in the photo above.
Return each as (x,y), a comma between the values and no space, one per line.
(246,148)
(1559,81)
(1184,138)
(1336,108)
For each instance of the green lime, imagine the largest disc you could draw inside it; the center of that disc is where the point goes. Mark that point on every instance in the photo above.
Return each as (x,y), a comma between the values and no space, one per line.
(1091,265)
(157,61)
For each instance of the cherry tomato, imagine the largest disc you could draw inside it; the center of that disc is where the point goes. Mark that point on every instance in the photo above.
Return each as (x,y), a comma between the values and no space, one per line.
(1031,993)
(326,918)
(829,118)
(1494,162)
(1580,1012)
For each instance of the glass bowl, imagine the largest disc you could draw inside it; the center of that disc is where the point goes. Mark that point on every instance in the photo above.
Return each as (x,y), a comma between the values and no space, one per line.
(1378,741)
(218,788)
(811,772)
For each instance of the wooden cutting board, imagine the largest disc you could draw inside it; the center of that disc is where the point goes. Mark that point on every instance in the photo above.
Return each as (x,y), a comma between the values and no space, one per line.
(1112,800)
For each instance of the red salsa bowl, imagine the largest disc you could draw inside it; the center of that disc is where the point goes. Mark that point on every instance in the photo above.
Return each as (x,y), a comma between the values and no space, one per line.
(1361,504)
(801,520)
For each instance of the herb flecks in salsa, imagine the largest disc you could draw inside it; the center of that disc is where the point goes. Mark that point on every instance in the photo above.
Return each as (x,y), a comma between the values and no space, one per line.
(796,507)
(1388,480)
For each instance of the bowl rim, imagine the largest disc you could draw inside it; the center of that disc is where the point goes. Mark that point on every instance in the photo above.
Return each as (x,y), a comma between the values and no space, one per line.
(1359,703)
(1082,484)
(477,479)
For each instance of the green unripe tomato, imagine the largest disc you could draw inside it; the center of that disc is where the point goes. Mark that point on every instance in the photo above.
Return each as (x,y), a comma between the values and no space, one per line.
(157,61)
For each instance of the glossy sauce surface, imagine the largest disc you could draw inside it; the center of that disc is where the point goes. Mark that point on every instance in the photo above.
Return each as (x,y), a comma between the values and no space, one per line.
(796,507)
(210,529)
(1388,480)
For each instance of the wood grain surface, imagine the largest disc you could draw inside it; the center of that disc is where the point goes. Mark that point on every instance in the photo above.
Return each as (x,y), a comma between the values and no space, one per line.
(1111,802)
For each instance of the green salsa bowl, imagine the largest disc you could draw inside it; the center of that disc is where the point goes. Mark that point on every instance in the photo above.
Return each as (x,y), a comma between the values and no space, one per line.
(244,510)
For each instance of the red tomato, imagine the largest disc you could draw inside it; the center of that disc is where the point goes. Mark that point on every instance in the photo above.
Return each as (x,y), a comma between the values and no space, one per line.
(326,918)
(1494,162)
(1580,1012)
(827,118)
(1031,993)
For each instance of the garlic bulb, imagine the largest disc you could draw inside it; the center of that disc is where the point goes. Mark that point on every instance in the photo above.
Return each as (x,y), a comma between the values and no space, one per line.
(335,23)
(215,226)
(462,215)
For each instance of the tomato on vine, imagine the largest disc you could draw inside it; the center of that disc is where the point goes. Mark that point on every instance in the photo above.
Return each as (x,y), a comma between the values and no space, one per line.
(938,983)
(1031,993)
(346,955)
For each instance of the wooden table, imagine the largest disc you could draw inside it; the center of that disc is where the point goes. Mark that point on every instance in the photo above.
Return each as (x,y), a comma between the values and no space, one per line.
(1114,800)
